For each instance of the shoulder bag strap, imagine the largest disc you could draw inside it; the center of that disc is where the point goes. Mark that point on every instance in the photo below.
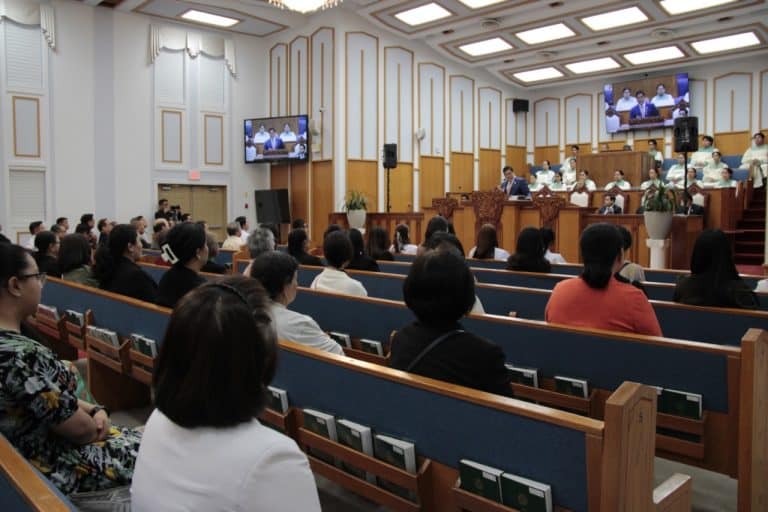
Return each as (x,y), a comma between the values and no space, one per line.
(430,347)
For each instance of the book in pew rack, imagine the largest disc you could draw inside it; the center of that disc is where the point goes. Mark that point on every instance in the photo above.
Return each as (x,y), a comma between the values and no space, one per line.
(358,437)
(75,317)
(105,335)
(525,495)
(680,403)
(48,312)
(278,399)
(480,479)
(321,424)
(521,375)
(571,386)
(372,347)
(398,453)
(144,345)
(342,339)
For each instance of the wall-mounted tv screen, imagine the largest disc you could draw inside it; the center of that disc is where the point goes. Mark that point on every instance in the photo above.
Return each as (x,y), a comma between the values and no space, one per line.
(648,103)
(273,139)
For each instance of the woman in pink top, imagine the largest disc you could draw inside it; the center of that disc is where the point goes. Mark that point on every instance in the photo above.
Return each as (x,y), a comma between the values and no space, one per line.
(598,298)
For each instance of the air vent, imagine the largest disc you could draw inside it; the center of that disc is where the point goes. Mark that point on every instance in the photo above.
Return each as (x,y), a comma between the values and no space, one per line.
(602,43)
(448,31)
(546,55)
(490,23)
(556,4)
(663,33)
(724,19)
(509,61)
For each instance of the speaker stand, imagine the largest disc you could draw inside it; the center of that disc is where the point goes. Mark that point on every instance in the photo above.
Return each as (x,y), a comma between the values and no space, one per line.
(388,170)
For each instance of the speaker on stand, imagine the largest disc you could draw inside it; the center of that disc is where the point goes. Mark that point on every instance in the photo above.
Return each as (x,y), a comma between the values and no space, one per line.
(390,162)
(686,140)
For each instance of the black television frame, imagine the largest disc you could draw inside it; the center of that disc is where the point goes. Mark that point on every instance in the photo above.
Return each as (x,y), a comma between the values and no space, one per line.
(255,121)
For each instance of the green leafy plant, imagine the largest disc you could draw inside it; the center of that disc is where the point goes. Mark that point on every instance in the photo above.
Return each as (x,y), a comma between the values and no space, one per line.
(663,199)
(355,201)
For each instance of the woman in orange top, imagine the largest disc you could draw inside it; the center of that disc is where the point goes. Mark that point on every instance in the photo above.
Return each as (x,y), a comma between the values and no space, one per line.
(599,298)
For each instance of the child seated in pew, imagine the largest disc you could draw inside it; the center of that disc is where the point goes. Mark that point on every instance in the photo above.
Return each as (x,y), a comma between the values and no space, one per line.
(440,290)
(278,274)
(596,299)
(338,253)
(203,448)
(70,441)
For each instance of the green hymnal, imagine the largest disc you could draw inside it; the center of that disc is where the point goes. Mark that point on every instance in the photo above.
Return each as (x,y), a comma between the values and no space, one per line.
(480,479)
(401,454)
(358,437)
(680,403)
(372,346)
(278,399)
(520,375)
(321,424)
(341,338)
(525,495)
(570,386)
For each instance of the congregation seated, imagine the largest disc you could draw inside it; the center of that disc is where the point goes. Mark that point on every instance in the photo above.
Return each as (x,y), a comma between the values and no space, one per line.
(618,181)
(703,155)
(529,253)
(378,243)
(548,240)
(609,206)
(487,247)
(211,267)
(260,240)
(234,240)
(691,178)
(75,261)
(186,249)
(69,440)
(444,241)
(298,245)
(688,207)
(546,175)
(755,159)
(652,181)
(632,272)
(584,182)
(278,274)
(203,446)
(116,268)
(47,245)
(676,173)
(557,183)
(360,260)
(436,224)
(714,280)
(726,179)
(338,253)
(597,299)
(713,168)
(402,242)
(440,290)
(158,228)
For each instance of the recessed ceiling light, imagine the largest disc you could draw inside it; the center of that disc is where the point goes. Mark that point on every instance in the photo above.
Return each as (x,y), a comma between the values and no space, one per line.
(655,55)
(590,66)
(486,47)
(681,6)
(535,75)
(721,44)
(615,19)
(476,4)
(209,19)
(548,33)
(423,14)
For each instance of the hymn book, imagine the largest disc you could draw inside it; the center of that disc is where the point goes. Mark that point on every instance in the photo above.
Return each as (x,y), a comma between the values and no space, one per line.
(358,437)
(480,479)
(321,424)
(571,386)
(341,338)
(401,454)
(372,346)
(526,376)
(278,399)
(525,495)
(75,317)
(680,403)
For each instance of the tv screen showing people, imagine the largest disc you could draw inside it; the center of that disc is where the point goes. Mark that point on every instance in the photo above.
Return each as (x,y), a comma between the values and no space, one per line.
(652,102)
(276,138)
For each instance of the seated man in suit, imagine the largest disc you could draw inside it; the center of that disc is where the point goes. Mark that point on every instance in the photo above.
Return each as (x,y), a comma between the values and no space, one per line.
(273,142)
(609,206)
(512,185)
(688,207)
(644,108)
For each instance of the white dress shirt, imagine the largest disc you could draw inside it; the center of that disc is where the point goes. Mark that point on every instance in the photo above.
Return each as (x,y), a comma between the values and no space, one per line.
(498,254)
(337,281)
(625,103)
(293,326)
(410,249)
(612,123)
(623,185)
(232,243)
(665,100)
(676,174)
(701,157)
(545,177)
(245,467)
(554,257)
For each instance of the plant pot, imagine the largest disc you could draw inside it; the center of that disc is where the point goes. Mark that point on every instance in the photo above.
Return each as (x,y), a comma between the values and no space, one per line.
(658,224)
(356,219)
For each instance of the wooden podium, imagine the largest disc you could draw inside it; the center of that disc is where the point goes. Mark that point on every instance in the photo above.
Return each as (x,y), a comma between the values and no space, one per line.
(601,166)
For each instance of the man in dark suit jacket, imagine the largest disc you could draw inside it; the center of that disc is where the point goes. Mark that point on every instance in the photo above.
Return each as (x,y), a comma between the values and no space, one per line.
(609,206)
(644,108)
(688,207)
(514,185)
(273,142)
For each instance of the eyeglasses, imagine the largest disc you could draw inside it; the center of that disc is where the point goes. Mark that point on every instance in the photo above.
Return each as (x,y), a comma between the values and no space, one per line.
(39,275)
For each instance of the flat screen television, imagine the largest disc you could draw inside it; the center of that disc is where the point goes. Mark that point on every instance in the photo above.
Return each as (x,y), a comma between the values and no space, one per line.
(276,139)
(272,206)
(648,103)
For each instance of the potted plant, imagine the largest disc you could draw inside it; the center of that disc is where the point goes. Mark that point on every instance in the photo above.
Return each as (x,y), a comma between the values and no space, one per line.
(355,205)
(659,206)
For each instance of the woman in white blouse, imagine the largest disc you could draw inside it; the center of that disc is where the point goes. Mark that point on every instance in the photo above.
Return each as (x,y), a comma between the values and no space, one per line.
(545,175)
(653,180)
(402,243)
(488,245)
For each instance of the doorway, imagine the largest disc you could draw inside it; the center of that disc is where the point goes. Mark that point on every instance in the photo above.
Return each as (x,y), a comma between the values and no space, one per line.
(203,202)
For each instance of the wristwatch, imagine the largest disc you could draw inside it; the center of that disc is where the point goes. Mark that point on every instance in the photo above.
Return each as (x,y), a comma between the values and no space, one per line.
(97,408)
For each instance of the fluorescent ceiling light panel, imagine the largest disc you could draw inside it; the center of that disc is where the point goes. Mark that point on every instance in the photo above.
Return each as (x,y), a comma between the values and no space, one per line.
(476,4)
(535,75)
(543,34)
(209,19)
(590,66)
(423,14)
(486,47)
(681,6)
(615,19)
(656,55)
(721,44)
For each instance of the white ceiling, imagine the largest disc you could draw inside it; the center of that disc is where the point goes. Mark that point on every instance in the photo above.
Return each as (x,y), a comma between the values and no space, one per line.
(506,18)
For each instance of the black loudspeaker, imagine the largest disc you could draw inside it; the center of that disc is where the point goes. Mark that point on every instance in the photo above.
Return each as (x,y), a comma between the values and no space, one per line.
(519,105)
(390,156)
(272,206)
(686,133)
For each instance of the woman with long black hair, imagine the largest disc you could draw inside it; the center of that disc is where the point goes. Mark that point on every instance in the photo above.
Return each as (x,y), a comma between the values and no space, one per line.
(116,267)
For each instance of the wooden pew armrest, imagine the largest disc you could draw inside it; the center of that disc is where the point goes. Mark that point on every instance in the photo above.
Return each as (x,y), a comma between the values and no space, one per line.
(673,494)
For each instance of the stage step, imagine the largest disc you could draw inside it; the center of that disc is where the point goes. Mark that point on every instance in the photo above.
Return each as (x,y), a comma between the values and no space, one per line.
(749,246)
(749,259)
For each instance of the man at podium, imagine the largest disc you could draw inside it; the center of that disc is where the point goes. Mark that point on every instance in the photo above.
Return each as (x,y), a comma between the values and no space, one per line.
(514,186)
(644,108)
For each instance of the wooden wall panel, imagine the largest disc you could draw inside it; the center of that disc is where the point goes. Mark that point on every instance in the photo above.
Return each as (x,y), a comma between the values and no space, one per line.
(734,143)
(432,109)
(299,180)
(279,176)
(322,200)
(278,80)
(490,169)
(322,86)
(551,153)
(462,172)
(432,179)
(362,176)
(400,188)
(516,157)
(298,101)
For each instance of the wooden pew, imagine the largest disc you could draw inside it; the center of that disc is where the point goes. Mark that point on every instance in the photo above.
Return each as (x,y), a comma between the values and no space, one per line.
(23,488)
(578,456)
